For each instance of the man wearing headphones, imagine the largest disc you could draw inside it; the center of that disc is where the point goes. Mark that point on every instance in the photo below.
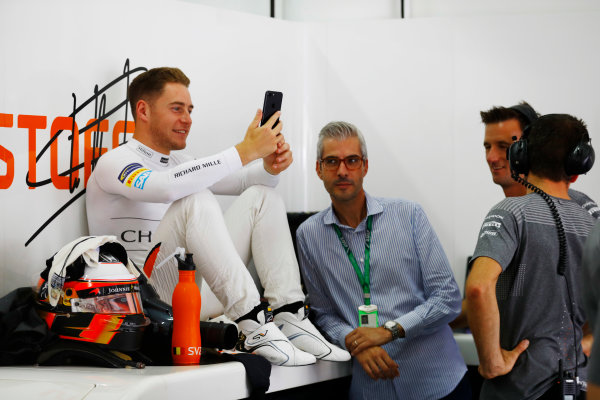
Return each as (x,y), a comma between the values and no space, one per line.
(523,290)
(504,125)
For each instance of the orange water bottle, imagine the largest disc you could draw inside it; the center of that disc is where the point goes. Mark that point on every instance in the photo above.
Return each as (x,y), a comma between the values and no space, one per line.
(186,344)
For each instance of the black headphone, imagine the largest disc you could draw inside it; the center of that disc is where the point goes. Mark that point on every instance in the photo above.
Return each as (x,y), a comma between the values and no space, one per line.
(581,159)
(578,161)
(516,154)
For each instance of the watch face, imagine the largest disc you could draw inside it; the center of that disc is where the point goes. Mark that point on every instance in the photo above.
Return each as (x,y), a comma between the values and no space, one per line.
(390,324)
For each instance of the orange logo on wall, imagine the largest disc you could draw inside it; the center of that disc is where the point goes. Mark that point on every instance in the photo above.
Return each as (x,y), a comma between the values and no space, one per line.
(97,133)
(36,124)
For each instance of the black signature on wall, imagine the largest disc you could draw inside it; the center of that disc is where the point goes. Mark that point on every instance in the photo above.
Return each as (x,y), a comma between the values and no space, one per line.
(98,102)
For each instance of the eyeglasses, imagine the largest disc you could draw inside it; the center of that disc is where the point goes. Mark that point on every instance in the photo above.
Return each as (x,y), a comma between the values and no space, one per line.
(333,163)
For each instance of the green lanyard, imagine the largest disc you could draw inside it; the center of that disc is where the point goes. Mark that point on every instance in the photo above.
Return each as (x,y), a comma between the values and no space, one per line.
(365,280)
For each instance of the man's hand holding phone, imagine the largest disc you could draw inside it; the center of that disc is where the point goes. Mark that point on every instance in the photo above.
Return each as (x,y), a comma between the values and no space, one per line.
(264,138)
(281,158)
(260,141)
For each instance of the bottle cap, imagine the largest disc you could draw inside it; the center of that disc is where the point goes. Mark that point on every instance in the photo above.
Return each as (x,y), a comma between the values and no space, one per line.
(187,264)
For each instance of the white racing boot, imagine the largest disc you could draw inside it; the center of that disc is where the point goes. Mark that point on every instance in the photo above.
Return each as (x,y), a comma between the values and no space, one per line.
(265,339)
(305,336)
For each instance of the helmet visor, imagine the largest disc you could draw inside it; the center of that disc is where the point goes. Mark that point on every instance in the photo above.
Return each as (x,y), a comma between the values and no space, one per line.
(119,303)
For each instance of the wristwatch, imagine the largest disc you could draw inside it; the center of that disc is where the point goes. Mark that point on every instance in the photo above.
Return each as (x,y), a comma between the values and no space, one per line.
(394,328)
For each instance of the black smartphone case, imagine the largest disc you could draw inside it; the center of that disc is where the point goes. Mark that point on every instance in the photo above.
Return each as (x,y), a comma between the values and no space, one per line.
(271,105)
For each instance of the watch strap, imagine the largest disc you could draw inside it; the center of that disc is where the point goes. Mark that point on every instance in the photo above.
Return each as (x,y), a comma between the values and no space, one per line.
(394,328)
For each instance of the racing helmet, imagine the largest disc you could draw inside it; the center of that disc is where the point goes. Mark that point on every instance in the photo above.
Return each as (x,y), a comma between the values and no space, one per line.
(100,304)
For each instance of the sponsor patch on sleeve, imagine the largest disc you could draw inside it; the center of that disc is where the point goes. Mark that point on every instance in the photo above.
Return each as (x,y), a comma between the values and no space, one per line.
(490,233)
(128,170)
(141,179)
(131,178)
(491,226)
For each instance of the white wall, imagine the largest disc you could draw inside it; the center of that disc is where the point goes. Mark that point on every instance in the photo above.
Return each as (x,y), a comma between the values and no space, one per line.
(311,10)
(462,8)
(415,87)
(339,10)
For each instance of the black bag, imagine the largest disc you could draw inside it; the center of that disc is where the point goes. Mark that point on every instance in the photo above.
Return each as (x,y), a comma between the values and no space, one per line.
(23,334)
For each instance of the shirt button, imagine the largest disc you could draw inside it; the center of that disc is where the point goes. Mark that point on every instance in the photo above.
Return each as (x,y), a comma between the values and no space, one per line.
(362,260)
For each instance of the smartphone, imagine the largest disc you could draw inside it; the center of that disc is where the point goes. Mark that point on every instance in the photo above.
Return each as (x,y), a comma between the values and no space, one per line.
(271,105)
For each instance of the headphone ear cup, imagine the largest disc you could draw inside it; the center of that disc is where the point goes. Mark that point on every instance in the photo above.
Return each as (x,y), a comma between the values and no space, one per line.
(517,157)
(580,160)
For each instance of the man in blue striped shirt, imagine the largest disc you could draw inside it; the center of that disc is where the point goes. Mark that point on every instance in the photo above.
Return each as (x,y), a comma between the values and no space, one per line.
(363,253)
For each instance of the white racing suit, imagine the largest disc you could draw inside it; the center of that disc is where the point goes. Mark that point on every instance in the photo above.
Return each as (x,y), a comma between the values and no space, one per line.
(144,197)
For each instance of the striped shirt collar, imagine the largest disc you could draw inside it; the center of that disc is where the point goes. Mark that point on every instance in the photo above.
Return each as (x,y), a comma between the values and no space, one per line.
(373,207)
